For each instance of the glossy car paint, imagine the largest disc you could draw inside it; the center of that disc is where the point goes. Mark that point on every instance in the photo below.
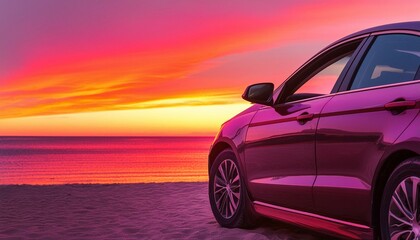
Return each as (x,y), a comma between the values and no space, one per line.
(232,135)
(352,136)
(274,170)
(359,129)
(316,222)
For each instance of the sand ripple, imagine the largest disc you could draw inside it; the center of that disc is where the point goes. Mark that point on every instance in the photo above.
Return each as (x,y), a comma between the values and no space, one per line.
(124,211)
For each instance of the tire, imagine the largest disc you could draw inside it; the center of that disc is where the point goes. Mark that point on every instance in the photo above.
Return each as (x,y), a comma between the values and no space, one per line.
(224,192)
(403,183)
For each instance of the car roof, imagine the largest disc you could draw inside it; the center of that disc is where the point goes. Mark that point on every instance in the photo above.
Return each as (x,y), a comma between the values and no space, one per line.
(410,26)
(402,26)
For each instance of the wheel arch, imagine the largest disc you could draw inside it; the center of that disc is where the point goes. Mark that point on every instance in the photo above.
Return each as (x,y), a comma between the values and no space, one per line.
(216,150)
(387,166)
(221,145)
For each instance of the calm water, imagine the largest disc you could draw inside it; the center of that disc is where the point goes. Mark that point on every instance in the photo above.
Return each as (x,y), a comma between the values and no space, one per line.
(60,160)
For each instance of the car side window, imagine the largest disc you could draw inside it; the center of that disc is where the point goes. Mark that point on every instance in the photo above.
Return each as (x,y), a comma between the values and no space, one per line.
(320,76)
(392,58)
(324,81)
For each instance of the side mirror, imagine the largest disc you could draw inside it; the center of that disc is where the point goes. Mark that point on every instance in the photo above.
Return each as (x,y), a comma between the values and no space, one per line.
(261,93)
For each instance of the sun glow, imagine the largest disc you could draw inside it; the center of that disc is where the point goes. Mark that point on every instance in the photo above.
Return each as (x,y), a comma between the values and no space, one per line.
(138,67)
(166,121)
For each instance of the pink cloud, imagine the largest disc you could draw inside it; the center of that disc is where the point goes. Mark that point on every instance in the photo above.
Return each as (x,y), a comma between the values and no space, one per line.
(78,56)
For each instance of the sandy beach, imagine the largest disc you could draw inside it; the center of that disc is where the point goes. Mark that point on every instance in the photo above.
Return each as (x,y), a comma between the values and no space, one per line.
(122,211)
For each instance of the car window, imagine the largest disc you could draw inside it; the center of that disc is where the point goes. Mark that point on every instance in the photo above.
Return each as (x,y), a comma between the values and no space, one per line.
(392,59)
(323,82)
(321,75)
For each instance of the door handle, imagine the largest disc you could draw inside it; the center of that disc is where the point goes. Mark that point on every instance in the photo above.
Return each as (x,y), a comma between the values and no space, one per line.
(304,117)
(396,105)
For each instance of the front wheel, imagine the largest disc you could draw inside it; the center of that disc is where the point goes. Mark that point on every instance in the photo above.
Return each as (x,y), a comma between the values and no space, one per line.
(228,196)
(400,213)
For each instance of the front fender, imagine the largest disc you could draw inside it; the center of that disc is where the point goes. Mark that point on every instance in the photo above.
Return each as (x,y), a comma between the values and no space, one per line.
(232,135)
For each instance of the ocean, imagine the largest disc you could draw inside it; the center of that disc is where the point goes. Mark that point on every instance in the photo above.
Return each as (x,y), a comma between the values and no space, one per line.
(68,160)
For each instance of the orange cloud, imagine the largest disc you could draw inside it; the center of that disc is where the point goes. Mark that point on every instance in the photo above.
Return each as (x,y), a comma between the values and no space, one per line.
(93,61)
(116,80)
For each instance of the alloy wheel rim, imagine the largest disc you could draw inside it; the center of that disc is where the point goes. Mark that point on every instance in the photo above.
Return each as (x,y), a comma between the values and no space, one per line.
(227,188)
(404,214)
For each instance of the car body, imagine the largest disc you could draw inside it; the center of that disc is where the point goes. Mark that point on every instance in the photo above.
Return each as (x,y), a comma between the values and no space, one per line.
(330,159)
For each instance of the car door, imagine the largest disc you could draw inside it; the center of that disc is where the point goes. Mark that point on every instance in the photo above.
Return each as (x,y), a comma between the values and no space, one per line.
(280,143)
(375,104)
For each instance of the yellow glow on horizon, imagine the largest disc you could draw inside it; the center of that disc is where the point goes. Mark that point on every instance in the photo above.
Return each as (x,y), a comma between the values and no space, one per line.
(168,121)
(128,72)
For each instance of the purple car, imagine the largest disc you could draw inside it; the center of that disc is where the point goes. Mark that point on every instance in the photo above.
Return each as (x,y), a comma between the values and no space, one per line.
(335,148)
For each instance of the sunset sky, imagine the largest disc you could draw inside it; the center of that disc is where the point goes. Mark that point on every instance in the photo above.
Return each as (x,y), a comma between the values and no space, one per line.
(156,67)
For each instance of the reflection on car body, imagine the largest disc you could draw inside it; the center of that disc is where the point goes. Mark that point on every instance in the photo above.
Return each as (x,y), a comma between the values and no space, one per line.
(335,147)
